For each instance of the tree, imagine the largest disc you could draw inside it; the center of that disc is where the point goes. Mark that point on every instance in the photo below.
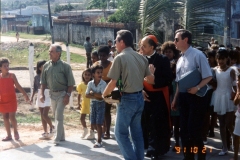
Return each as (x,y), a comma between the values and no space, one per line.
(102,4)
(150,11)
(127,12)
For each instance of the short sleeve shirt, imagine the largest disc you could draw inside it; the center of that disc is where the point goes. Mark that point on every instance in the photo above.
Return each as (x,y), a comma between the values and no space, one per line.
(88,47)
(190,60)
(96,89)
(81,89)
(57,75)
(133,67)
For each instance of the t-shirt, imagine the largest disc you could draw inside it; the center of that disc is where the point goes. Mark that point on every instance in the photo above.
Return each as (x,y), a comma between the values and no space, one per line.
(81,89)
(88,47)
(133,67)
(96,89)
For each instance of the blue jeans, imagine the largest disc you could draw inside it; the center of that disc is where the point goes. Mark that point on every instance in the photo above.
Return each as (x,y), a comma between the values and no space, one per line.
(128,118)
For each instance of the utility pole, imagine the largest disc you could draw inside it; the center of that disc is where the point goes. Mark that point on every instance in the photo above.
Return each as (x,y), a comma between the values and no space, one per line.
(50,21)
(227,23)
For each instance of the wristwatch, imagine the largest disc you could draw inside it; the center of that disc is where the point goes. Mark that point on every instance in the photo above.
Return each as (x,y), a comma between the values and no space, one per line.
(198,88)
(69,94)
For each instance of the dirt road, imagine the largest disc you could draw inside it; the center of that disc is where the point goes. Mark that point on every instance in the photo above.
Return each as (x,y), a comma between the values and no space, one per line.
(75,50)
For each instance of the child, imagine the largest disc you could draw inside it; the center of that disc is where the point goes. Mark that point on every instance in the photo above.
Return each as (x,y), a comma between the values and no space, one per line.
(85,105)
(103,53)
(94,57)
(8,100)
(43,107)
(226,79)
(94,91)
(236,133)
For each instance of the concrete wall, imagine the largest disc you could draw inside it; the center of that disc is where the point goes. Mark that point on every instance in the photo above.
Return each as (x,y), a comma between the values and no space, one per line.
(235,25)
(77,33)
(41,20)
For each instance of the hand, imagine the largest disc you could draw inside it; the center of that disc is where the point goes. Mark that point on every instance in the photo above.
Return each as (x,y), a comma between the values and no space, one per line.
(66,99)
(27,98)
(193,90)
(145,96)
(79,106)
(42,98)
(152,68)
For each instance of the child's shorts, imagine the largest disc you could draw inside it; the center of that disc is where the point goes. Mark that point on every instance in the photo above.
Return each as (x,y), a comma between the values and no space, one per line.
(237,124)
(97,112)
(47,102)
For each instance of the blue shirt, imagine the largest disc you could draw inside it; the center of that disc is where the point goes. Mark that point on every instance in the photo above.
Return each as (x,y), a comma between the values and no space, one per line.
(96,89)
(191,60)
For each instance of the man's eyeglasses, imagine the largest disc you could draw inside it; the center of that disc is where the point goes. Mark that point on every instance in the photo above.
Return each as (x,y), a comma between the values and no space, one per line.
(176,39)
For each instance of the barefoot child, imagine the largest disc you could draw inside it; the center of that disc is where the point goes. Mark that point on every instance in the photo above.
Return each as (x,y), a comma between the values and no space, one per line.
(43,107)
(94,91)
(8,100)
(84,106)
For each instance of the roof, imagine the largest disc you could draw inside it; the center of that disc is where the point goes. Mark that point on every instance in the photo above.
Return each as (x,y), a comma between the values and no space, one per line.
(28,11)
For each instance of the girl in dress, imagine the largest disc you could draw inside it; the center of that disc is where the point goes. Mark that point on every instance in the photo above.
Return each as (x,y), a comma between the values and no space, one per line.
(85,104)
(43,107)
(8,100)
(223,105)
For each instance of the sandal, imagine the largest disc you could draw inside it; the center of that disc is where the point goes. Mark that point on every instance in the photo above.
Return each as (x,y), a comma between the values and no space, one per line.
(16,136)
(97,145)
(106,136)
(7,139)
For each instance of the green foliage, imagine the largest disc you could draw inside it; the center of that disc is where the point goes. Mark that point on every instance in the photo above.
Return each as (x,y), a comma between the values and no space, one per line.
(29,23)
(127,12)
(59,8)
(150,11)
(102,4)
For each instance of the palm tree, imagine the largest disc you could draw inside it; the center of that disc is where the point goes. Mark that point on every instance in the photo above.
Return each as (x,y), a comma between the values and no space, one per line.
(150,11)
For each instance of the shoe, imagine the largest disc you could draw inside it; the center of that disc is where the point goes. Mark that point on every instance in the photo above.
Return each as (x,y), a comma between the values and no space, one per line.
(222,153)
(16,136)
(97,145)
(44,136)
(52,130)
(7,139)
(56,143)
(106,136)
(91,135)
(205,142)
(211,134)
(85,132)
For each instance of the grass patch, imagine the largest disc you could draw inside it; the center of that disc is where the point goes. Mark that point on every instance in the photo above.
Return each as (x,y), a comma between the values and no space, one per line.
(28,118)
(27,36)
(19,56)
(76,45)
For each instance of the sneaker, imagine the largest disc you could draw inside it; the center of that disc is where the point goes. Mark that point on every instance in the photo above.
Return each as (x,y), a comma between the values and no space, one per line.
(91,135)
(44,136)
(205,142)
(97,145)
(85,132)
(52,130)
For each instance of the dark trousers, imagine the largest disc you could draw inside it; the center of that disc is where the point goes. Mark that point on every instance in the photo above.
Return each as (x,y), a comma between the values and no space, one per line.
(192,112)
(89,61)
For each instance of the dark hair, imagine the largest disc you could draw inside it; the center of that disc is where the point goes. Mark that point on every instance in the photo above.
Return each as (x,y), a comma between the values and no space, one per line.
(211,54)
(87,38)
(109,41)
(126,36)
(103,49)
(233,54)
(222,54)
(152,43)
(185,34)
(221,45)
(3,60)
(39,65)
(87,70)
(95,53)
(170,45)
(95,67)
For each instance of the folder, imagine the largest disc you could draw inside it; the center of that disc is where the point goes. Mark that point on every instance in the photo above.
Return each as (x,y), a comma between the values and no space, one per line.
(192,79)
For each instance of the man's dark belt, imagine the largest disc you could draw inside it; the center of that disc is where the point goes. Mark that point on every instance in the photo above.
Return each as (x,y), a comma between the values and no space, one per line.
(131,92)
(58,91)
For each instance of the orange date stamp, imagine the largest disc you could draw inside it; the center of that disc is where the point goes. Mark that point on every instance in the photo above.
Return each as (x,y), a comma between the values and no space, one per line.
(193,150)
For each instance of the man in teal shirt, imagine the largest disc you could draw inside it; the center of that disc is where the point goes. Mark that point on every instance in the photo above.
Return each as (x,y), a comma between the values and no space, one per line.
(88,47)
(58,77)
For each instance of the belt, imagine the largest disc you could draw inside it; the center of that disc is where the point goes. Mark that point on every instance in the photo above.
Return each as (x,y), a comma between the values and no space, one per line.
(131,92)
(58,91)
